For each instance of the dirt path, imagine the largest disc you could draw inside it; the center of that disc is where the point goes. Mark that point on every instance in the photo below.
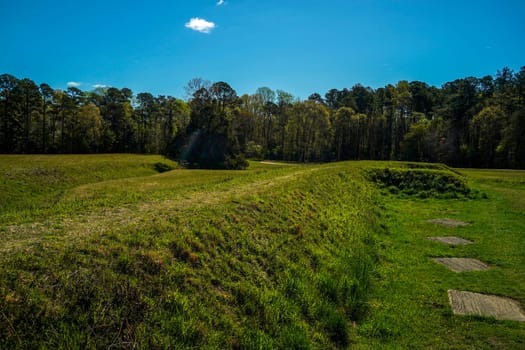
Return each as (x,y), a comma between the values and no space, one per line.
(274,163)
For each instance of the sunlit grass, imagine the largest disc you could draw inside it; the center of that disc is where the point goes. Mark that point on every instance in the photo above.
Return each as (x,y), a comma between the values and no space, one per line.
(275,255)
(409,305)
(104,251)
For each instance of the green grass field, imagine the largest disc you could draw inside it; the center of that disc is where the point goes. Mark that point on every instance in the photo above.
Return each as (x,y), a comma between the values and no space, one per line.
(409,304)
(108,251)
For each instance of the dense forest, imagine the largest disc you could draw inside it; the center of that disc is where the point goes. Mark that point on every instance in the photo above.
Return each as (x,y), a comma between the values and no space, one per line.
(469,122)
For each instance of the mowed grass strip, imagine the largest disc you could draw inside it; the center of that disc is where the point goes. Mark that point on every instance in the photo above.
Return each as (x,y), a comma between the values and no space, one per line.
(273,257)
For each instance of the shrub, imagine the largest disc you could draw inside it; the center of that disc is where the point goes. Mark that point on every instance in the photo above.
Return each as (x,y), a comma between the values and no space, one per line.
(421,182)
(162,167)
(237,162)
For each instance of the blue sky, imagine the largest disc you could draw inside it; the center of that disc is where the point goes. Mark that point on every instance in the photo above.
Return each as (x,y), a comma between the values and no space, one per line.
(297,46)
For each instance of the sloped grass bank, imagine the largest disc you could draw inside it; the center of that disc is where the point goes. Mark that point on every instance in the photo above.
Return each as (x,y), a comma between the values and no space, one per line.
(36,182)
(287,265)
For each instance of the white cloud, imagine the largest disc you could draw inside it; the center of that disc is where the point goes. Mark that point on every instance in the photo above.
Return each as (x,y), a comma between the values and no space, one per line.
(73,84)
(220,2)
(200,25)
(96,86)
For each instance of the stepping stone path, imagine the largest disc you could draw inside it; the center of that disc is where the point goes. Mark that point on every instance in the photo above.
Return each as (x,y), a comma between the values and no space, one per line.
(469,303)
(462,264)
(448,222)
(450,240)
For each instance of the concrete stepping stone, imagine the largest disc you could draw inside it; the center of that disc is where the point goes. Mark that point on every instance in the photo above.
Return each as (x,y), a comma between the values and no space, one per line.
(462,264)
(450,240)
(448,222)
(501,308)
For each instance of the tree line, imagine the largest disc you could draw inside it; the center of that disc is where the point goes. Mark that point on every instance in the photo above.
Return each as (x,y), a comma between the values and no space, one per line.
(469,122)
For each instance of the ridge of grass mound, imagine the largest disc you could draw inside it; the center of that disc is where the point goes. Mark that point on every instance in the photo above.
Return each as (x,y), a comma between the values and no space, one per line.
(275,259)
(422,180)
(34,182)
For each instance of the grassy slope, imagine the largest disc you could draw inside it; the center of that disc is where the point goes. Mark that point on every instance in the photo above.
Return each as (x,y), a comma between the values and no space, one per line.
(33,184)
(272,257)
